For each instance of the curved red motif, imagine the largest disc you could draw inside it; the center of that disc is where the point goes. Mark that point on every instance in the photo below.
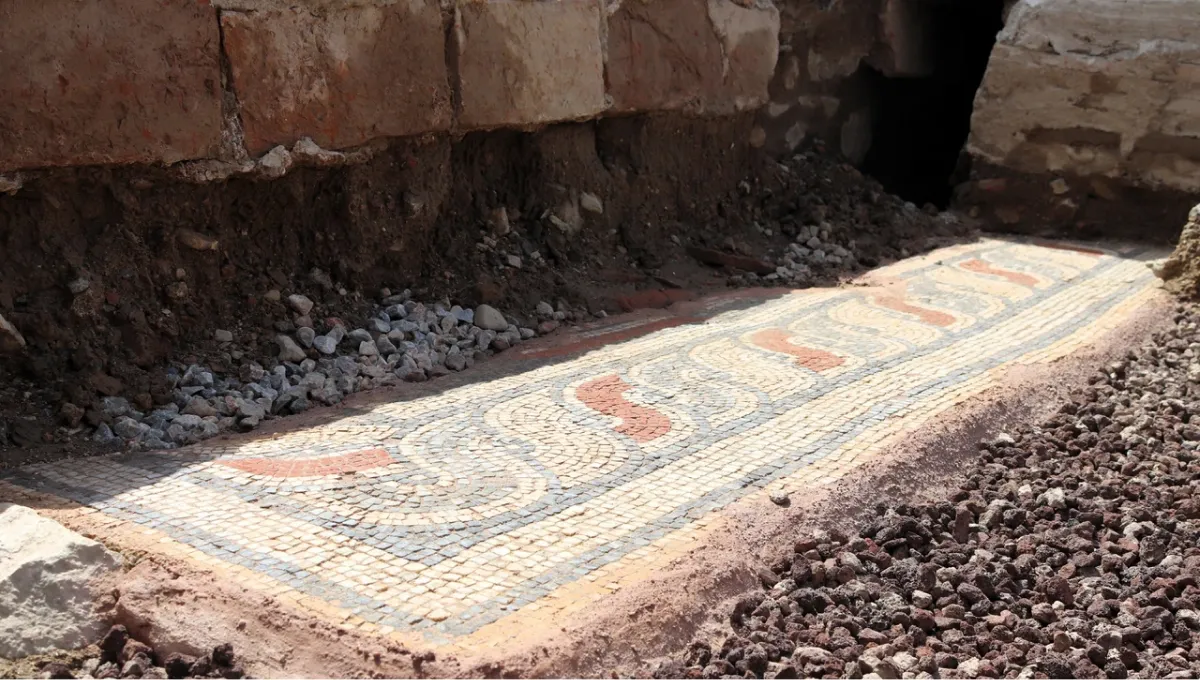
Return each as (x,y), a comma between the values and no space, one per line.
(929,316)
(607,395)
(311,467)
(981,267)
(777,340)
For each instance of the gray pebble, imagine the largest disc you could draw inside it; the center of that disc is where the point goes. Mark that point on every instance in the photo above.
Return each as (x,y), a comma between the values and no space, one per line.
(306,336)
(325,344)
(490,318)
(300,303)
(288,349)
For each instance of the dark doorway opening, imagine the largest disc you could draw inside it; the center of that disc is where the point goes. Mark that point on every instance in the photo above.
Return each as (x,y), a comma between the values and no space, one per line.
(920,124)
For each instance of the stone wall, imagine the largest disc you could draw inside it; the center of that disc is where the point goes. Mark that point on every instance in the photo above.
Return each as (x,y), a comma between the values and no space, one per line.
(815,91)
(1095,88)
(96,82)
(1088,119)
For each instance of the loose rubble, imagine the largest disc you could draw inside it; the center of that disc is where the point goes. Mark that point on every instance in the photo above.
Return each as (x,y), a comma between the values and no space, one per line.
(837,220)
(120,655)
(404,341)
(1071,550)
(805,220)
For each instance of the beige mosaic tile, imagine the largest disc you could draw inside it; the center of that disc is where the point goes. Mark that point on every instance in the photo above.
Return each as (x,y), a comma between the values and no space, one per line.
(535,494)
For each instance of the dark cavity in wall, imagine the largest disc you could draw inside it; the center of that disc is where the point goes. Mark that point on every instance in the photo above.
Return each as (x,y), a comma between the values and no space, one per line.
(920,122)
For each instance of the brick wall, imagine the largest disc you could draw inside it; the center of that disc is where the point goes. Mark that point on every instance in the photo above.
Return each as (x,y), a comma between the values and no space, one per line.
(162,81)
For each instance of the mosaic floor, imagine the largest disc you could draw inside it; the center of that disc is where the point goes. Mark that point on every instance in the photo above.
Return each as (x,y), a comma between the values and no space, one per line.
(540,491)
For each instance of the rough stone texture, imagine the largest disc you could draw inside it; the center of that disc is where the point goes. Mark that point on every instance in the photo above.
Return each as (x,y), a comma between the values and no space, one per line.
(1095,87)
(525,63)
(705,56)
(108,81)
(1181,271)
(46,572)
(341,77)
(815,89)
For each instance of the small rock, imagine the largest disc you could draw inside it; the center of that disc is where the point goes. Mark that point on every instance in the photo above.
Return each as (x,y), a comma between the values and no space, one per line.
(102,435)
(57,670)
(367,348)
(128,428)
(300,303)
(1055,498)
(289,350)
(11,340)
(306,336)
(499,221)
(196,240)
(591,203)
(177,290)
(223,336)
(780,498)
(325,344)
(1004,439)
(455,361)
(490,318)
(922,599)
(71,414)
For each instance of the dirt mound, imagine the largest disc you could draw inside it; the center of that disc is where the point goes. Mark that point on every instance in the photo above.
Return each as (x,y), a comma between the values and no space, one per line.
(115,275)
(1072,550)
(1181,271)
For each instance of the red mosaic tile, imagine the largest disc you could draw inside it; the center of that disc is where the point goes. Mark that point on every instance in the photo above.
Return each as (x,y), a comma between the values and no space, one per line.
(606,395)
(929,316)
(981,267)
(312,467)
(777,340)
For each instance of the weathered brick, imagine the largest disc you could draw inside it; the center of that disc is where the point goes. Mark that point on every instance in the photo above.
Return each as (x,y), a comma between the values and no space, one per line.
(523,62)
(702,56)
(108,81)
(340,76)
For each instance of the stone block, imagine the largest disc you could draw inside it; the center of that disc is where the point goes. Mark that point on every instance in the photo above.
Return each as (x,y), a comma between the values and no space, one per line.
(701,56)
(527,62)
(749,35)
(108,81)
(48,576)
(1096,87)
(342,76)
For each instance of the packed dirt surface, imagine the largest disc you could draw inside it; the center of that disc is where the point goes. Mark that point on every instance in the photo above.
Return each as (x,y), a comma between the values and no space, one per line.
(1070,549)
(114,276)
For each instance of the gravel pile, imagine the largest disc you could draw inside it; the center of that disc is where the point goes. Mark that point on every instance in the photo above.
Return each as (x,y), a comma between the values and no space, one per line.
(838,219)
(319,362)
(120,656)
(1072,550)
